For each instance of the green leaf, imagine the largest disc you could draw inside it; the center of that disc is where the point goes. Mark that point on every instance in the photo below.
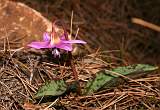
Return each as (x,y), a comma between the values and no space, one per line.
(138,68)
(105,78)
(52,88)
(96,83)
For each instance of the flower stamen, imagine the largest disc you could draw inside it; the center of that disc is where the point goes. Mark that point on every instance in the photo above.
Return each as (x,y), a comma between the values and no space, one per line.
(54,39)
(56,53)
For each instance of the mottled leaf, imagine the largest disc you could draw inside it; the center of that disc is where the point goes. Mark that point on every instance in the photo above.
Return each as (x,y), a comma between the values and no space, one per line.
(138,68)
(96,83)
(105,78)
(52,88)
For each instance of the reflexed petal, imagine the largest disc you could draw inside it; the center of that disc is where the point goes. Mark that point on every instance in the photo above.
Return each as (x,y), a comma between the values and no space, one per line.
(62,37)
(67,47)
(39,45)
(46,37)
(74,41)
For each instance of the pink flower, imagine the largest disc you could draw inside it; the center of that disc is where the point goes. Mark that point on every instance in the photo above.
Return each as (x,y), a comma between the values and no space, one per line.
(55,42)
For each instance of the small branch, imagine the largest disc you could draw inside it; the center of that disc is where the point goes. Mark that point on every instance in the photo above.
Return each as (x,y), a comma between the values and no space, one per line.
(146,24)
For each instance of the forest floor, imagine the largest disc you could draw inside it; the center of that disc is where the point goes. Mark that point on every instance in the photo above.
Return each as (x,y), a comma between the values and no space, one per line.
(113,40)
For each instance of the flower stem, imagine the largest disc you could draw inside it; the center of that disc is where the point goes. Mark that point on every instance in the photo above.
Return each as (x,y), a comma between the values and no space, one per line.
(75,74)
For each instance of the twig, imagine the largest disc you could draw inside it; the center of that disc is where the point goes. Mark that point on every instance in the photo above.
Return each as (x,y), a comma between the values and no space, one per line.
(69,37)
(117,93)
(149,108)
(76,33)
(51,104)
(117,74)
(115,101)
(10,92)
(146,24)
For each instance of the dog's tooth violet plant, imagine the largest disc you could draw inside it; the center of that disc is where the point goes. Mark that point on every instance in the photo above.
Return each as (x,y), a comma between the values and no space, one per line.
(58,39)
(55,42)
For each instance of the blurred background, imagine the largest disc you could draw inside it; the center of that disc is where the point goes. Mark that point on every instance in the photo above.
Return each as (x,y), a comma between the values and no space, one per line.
(106,25)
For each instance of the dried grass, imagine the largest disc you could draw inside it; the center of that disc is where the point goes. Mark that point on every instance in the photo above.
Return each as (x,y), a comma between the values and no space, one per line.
(21,76)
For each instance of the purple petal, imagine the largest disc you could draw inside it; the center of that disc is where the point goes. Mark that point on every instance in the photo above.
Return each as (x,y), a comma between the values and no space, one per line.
(62,37)
(46,37)
(39,45)
(67,47)
(74,41)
